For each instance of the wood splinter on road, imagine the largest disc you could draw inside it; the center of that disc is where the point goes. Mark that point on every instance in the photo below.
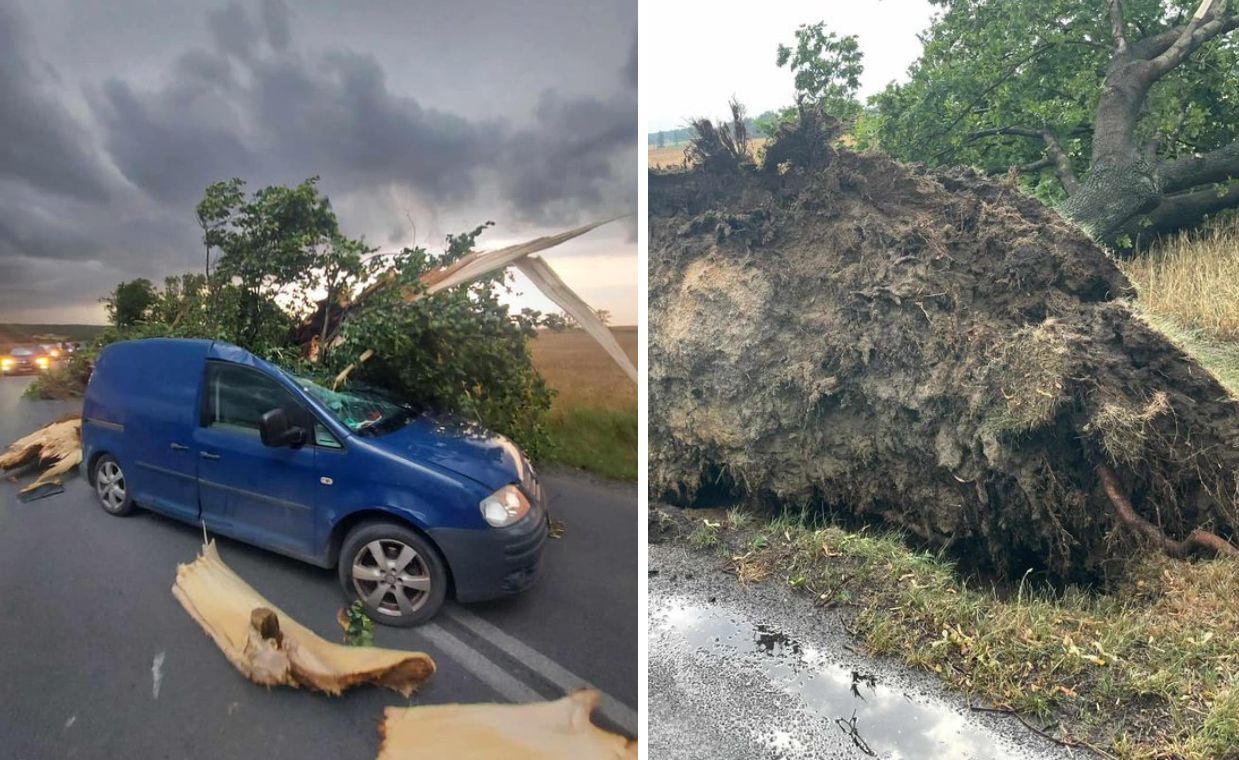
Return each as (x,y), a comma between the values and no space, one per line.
(56,447)
(272,649)
(559,730)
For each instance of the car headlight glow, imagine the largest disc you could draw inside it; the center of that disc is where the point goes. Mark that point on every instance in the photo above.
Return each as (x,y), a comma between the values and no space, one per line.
(504,507)
(42,361)
(5,363)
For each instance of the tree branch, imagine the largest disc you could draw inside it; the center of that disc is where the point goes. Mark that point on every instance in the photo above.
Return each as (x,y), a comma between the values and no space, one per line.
(1203,26)
(1116,27)
(1062,163)
(1215,166)
(1056,155)
(1177,212)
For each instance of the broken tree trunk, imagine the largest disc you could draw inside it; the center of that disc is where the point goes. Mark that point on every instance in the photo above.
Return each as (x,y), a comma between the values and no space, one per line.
(559,730)
(270,648)
(327,321)
(57,448)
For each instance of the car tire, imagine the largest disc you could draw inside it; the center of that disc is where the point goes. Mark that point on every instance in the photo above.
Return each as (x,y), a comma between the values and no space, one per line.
(111,488)
(396,573)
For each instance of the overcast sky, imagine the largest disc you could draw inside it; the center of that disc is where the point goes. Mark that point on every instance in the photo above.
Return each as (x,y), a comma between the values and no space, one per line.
(116,115)
(695,61)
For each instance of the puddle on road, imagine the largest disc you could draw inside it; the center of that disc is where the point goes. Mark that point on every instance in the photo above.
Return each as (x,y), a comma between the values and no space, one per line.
(877,720)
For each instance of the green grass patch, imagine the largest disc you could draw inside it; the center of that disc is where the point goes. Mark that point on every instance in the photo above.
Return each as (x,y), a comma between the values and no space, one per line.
(1146,671)
(600,440)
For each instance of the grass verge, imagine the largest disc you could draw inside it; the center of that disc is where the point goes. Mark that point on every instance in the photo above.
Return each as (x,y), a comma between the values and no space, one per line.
(603,441)
(1148,671)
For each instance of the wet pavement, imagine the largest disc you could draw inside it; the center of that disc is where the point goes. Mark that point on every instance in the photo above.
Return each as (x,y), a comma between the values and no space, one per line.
(758,672)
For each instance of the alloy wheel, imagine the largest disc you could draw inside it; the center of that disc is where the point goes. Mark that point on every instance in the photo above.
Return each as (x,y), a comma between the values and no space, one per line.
(391,577)
(110,485)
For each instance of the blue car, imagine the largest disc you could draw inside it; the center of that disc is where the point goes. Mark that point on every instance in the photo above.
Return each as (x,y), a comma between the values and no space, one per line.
(410,507)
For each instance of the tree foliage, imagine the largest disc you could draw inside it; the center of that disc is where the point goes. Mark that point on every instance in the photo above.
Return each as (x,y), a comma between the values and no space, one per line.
(461,349)
(276,255)
(826,68)
(1057,88)
(128,304)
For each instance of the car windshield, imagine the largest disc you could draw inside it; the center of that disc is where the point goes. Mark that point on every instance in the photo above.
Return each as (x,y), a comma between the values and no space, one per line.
(22,351)
(366,411)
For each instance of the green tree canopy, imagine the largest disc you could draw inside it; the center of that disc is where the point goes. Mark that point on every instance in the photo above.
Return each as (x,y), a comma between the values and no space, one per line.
(1126,112)
(826,68)
(128,304)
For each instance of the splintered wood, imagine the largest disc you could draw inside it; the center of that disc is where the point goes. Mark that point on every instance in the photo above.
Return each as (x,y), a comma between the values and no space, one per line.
(559,730)
(56,447)
(270,648)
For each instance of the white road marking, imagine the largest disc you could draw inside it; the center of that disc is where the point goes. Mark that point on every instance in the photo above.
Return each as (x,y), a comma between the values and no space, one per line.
(72,719)
(507,685)
(157,674)
(617,712)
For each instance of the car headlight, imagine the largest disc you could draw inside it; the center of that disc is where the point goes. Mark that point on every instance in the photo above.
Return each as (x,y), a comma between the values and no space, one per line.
(42,361)
(5,363)
(504,507)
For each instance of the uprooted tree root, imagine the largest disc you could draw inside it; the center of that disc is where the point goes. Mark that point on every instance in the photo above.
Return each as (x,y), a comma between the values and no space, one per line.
(1197,539)
(833,331)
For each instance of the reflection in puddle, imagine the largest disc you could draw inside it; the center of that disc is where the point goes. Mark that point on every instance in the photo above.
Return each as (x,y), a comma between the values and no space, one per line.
(874,719)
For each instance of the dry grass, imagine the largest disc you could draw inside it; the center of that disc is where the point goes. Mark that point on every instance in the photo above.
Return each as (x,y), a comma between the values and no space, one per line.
(673,155)
(581,373)
(1193,281)
(594,418)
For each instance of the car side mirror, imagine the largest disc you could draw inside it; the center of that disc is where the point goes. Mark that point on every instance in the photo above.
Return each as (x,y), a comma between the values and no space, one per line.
(275,430)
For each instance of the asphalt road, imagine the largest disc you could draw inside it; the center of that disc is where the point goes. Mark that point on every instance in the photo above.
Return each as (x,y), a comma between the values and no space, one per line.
(751,672)
(98,660)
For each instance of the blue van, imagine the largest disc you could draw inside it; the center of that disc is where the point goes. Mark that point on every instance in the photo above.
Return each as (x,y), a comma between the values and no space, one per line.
(408,506)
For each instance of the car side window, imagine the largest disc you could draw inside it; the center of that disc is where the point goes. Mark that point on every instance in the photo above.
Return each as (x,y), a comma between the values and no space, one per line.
(324,437)
(238,397)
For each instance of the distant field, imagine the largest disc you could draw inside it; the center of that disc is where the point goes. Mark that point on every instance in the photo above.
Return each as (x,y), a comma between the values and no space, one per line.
(673,155)
(15,333)
(594,417)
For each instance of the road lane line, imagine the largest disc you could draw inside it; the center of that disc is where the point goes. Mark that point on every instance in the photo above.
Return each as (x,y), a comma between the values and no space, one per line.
(616,711)
(504,683)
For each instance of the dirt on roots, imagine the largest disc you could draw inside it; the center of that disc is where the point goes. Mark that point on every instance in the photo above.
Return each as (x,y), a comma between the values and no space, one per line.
(934,349)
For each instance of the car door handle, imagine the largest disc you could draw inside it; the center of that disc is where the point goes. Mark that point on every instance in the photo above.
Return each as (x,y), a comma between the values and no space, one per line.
(179,447)
(208,455)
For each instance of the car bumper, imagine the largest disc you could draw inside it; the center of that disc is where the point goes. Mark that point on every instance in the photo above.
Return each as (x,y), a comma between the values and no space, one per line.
(494,562)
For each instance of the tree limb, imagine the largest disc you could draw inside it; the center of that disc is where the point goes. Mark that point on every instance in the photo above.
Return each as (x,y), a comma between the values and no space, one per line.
(1190,171)
(1116,27)
(1059,158)
(1203,26)
(1176,212)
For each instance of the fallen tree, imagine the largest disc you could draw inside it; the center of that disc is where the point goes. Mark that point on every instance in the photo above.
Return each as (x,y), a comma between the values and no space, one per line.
(835,332)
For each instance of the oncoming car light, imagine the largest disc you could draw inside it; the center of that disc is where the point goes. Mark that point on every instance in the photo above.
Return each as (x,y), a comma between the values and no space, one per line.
(6,363)
(504,507)
(42,362)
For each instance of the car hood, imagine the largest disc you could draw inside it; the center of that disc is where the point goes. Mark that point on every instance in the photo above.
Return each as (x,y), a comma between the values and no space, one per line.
(459,445)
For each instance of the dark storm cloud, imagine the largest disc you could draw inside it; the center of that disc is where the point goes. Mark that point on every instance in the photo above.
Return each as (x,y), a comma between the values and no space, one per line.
(115,187)
(40,142)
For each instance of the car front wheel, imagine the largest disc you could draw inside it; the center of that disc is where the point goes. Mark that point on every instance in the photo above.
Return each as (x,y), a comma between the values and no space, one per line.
(398,575)
(111,487)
